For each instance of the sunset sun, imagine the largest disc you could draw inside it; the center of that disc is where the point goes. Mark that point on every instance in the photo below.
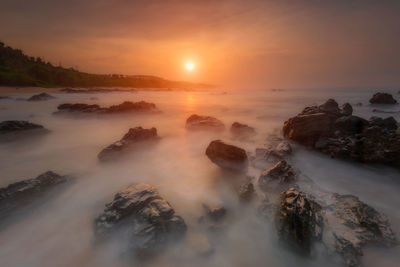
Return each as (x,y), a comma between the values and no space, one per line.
(190,66)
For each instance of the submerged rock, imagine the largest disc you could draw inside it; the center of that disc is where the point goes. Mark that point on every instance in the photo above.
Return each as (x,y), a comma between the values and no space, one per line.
(133,136)
(41,97)
(382,98)
(242,130)
(197,122)
(281,174)
(148,220)
(22,193)
(227,156)
(246,191)
(96,90)
(125,107)
(343,224)
(18,126)
(214,218)
(347,137)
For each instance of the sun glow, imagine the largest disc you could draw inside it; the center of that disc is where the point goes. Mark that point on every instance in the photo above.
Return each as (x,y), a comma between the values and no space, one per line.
(189,66)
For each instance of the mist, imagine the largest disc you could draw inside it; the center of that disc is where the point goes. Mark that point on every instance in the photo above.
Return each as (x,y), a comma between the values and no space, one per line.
(59,231)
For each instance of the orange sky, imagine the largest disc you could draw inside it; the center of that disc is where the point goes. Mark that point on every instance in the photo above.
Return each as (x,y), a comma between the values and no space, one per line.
(237,44)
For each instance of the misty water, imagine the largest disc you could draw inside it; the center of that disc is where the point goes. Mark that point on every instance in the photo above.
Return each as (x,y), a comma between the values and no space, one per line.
(59,231)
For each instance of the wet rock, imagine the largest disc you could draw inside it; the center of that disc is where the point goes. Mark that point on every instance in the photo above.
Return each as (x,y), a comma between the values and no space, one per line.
(95,90)
(22,193)
(330,107)
(227,156)
(4,97)
(246,191)
(125,107)
(346,109)
(148,220)
(342,223)
(242,130)
(280,175)
(214,218)
(41,97)
(18,126)
(299,220)
(375,110)
(129,140)
(197,122)
(346,137)
(382,98)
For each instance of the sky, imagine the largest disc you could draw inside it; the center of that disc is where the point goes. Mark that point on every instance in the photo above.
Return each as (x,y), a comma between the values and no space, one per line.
(234,44)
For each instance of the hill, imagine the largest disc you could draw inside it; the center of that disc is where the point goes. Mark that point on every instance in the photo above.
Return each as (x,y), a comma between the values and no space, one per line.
(18,69)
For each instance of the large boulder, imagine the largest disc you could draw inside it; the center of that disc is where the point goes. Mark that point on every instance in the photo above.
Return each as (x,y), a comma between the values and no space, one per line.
(79,107)
(22,193)
(129,140)
(197,122)
(382,98)
(147,219)
(18,126)
(41,97)
(280,175)
(343,223)
(227,156)
(128,106)
(350,124)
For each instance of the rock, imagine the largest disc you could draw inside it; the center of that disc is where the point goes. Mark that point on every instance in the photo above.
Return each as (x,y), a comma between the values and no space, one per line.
(307,129)
(358,104)
(18,126)
(4,97)
(281,174)
(22,193)
(350,124)
(375,110)
(342,223)
(227,156)
(125,107)
(346,109)
(242,130)
(149,220)
(330,107)
(133,136)
(196,122)
(96,90)
(41,97)
(214,218)
(346,137)
(382,98)
(299,220)
(246,191)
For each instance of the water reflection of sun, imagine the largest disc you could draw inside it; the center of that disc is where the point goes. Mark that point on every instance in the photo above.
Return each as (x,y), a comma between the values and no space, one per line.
(190,102)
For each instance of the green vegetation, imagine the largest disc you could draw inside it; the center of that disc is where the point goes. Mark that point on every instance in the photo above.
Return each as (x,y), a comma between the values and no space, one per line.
(18,69)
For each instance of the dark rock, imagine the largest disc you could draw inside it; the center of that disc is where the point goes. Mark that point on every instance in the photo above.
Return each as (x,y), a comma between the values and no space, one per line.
(22,193)
(346,109)
(300,222)
(214,218)
(375,110)
(4,97)
(149,220)
(133,136)
(388,123)
(242,130)
(125,107)
(350,124)
(246,191)
(95,90)
(18,126)
(330,107)
(227,156)
(281,174)
(382,98)
(41,97)
(196,122)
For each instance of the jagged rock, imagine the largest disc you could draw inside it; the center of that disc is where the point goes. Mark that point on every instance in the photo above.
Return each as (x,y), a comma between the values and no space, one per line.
(246,191)
(125,107)
(299,220)
(22,193)
(242,130)
(18,126)
(281,174)
(214,218)
(346,109)
(227,156)
(197,122)
(382,98)
(95,90)
(342,223)
(347,137)
(149,220)
(133,136)
(41,97)
(330,107)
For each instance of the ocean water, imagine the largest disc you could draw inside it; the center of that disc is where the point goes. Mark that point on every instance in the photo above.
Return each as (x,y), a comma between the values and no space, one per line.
(59,231)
